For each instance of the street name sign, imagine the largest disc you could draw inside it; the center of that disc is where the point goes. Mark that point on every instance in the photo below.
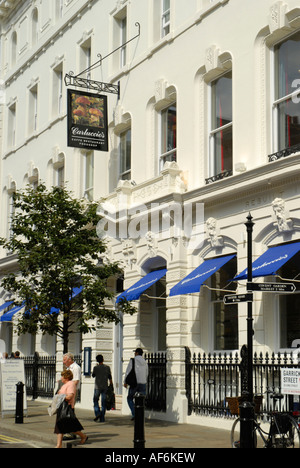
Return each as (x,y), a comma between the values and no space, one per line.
(290,381)
(236,298)
(272,287)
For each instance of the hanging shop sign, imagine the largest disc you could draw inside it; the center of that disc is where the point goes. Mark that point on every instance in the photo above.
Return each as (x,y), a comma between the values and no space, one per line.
(87,121)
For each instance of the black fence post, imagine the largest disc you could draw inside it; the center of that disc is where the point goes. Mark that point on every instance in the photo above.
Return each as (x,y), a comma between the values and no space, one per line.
(139,421)
(35,376)
(19,403)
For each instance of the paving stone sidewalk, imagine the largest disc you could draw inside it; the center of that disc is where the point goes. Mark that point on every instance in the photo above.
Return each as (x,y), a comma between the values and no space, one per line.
(117,431)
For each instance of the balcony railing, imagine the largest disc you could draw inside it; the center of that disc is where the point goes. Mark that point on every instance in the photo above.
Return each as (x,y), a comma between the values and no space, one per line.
(217,177)
(284,153)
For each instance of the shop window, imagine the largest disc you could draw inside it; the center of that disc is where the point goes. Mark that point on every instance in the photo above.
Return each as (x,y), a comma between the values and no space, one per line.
(289,305)
(226,330)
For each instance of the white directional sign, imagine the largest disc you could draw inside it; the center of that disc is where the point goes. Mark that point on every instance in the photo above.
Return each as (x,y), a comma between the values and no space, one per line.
(290,381)
(272,287)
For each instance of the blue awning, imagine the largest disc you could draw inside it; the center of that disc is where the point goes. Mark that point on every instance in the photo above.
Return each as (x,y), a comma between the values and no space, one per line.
(193,282)
(9,315)
(271,261)
(77,291)
(6,304)
(135,291)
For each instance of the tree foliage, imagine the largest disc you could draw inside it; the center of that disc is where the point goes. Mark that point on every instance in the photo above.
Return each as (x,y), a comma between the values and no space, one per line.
(58,250)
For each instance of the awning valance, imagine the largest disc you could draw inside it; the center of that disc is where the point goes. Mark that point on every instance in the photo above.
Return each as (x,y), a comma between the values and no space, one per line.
(271,261)
(135,291)
(193,282)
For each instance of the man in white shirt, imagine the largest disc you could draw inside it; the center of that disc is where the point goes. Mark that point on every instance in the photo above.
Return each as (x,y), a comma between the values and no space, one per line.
(141,372)
(70,364)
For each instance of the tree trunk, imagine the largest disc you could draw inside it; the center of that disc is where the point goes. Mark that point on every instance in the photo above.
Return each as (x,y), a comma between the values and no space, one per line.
(66,333)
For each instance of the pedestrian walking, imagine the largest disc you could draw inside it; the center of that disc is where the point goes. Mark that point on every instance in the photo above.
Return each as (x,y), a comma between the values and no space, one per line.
(70,364)
(73,425)
(102,375)
(141,373)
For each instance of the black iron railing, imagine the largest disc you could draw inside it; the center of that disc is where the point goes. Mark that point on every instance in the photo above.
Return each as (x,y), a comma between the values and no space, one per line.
(156,397)
(211,378)
(284,153)
(40,375)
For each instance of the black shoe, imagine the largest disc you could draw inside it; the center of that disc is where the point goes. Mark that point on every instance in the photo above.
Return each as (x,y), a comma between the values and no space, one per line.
(96,418)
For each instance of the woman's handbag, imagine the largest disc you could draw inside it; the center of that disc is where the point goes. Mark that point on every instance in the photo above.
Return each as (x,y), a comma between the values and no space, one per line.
(66,419)
(131,377)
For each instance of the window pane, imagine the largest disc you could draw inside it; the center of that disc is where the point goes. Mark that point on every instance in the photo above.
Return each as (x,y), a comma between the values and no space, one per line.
(287,65)
(226,326)
(125,153)
(289,320)
(166,5)
(223,151)
(222,101)
(290,305)
(168,129)
(225,316)
(288,124)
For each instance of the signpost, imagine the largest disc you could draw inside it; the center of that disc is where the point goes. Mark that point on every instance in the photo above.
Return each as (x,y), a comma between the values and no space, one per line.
(290,378)
(272,287)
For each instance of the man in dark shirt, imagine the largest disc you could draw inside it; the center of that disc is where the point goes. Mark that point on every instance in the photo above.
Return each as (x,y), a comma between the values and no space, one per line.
(102,375)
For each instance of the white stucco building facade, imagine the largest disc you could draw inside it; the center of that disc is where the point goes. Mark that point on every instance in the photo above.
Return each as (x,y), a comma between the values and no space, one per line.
(207,120)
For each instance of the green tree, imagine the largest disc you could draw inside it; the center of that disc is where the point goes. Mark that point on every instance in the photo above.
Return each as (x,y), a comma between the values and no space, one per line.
(54,238)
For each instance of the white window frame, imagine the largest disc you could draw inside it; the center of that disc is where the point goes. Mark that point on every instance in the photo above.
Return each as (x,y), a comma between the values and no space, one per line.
(57,90)
(33,109)
(163,156)
(123,40)
(125,175)
(276,102)
(11,120)
(165,23)
(214,131)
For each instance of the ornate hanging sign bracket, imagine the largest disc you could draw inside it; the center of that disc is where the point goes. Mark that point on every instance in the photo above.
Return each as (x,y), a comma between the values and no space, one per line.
(76,80)
(91,85)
